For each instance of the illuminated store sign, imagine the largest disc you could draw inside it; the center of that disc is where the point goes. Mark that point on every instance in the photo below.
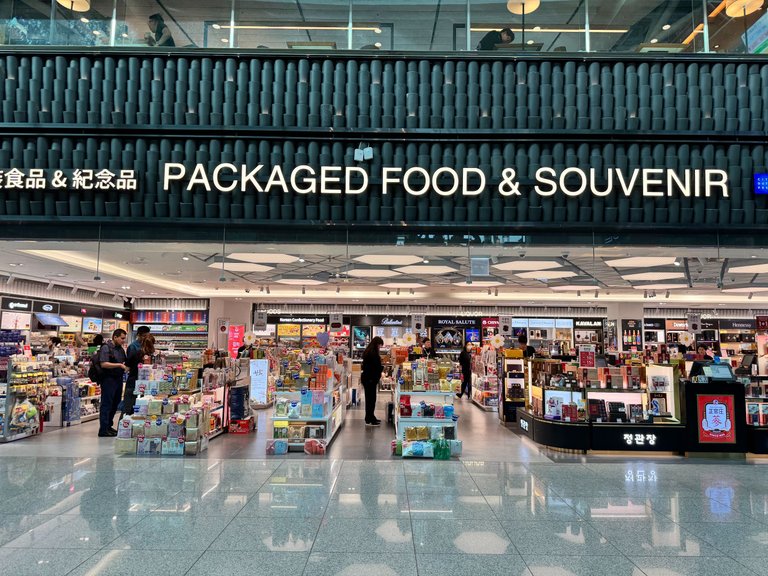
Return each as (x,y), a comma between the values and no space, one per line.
(445,181)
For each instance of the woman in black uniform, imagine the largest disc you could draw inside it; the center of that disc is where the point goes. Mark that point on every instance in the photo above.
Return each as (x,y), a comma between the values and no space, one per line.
(370,376)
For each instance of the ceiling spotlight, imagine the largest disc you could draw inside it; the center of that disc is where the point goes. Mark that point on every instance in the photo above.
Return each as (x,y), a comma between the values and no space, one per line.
(398,292)
(10,280)
(96,294)
(338,289)
(677,262)
(131,300)
(50,286)
(222,278)
(667,294)
(125,298)
(489,291)
(261,289)
(97,277)
(267,289)
(247,290)
(645,294)
(116,297)
(389,292)
(185,258)
(301,259)
(303,289)
(412,292)
(425,261)
(597,293)
(750,296)
(496,292)
(74,290)
(578,293)
(522,254)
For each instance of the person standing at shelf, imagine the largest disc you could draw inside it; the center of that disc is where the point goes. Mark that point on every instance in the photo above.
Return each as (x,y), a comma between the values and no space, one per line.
(112,359)
(427,350)
(528,351)
(370,375)
(159,34)
(465,361)
(54,345)
(134,357)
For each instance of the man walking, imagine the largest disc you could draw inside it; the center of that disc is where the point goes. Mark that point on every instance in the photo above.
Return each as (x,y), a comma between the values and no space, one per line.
(112,358)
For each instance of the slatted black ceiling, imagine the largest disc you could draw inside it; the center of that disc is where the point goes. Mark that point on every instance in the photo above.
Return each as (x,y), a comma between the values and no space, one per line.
(134,111)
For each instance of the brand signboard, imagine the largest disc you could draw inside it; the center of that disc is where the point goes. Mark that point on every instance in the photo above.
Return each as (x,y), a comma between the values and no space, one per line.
(16,304)
(45,307)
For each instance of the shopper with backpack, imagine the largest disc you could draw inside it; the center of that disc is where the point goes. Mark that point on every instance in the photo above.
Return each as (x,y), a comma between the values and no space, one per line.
(94,370)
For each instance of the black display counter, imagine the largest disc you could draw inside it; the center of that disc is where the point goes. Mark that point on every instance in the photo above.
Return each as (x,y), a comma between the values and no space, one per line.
(757,439)
(586,436)
(715,414)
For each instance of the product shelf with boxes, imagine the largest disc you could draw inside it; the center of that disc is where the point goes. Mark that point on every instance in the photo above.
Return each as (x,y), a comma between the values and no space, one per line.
(485,393)
(29,381)
(512,392)
(310,403)
(425,430)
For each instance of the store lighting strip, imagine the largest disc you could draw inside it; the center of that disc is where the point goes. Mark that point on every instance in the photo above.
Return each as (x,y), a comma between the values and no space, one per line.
(299,26)
(555,30)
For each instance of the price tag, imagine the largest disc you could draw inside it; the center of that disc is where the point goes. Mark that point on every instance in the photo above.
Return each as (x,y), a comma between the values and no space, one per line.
(632,421)
(567,418)
(599,420)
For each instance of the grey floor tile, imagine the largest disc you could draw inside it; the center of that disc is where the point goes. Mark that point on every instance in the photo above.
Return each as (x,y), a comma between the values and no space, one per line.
(697,509)
(384,467)
(383,535)
(446,506)
(268,535)
(658,536)
(757,565)
(136,563)
(14,525)
(75,532)
(460,537)
(559,538)
(612,507)
(41,561)
(227,504)
(531,507)
(370,482)
(124,501)
(541,565)
(733,539)
(164,531)
(368,505)
(687,566)
(249,562)
(360,564)
(287,501)
(465,564)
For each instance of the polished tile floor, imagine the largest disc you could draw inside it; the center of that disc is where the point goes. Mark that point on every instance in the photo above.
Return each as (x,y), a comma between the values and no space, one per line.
(231,511)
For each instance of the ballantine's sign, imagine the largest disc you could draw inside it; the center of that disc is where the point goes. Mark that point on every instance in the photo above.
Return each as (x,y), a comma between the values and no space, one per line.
(445,181)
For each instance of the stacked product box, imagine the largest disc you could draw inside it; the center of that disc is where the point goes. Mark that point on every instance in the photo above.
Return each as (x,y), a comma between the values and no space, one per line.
(169,426)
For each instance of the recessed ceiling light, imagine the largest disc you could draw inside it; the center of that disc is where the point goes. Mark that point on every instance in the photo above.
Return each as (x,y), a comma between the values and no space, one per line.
(749,269)
(654,40)
(300,281)
(387,259)
(529,42)
(15,264)
(570,288)
(654,276)
(125,287)
(258,258)
(84,20)
(185,258)
(642,261)
(660,286)
(372,273)
(403,285)
(746,289)
(60,274)
(523,265)
(427,269)
(225,40)
(548,274)
(666,27)
(240,267)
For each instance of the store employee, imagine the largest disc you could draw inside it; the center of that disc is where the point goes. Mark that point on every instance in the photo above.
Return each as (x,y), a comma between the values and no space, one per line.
(112,359)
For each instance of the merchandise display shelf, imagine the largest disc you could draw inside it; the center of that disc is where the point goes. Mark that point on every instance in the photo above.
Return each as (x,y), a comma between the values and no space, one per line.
(96,397)
(89,418)
(479,398)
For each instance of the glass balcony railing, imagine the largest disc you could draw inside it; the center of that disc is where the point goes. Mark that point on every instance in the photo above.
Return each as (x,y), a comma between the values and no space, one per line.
(513,26)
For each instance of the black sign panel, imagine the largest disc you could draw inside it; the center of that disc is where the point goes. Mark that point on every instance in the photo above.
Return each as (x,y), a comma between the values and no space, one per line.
(737,324)
(442,322)
(638,437)
(308,319)
(80,310)
(654,324)
(16,304)
(117,315)
(45,307)
(525,423)
(588,323)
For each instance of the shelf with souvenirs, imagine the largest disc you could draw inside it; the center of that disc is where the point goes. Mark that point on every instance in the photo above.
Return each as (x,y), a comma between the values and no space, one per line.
(485,379)
(513,394)
(29,381)
(176,413)
(310,401)
(426,429)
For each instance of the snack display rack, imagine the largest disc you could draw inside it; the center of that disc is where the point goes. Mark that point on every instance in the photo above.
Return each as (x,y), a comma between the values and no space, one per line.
(177,331)
(28,383)
(485,385)
(175,415)
(310,403)
(425,420)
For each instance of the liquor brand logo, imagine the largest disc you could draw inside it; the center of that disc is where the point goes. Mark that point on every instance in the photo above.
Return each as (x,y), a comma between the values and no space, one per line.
(524,424)
(16,304)
(391,321)
(47,307)
(760,183)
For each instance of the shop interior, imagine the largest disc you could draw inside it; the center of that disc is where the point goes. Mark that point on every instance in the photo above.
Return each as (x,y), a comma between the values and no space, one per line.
(264,341)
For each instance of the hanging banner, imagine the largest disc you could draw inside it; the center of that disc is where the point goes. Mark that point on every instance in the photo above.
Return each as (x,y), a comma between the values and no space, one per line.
(235,339)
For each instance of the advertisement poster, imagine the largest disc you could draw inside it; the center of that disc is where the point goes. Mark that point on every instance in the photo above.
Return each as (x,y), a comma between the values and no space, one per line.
(235,339)
(16,321)
(715,412)
(259,370)
(92,325)
(587,355)
(631,334)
